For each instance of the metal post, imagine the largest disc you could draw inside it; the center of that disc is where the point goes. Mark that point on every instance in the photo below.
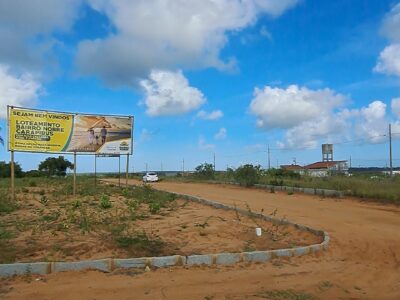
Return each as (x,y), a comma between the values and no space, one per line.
(74,188)
(390,145)
(183,167)
(269,158)
(12,176)
(119,170)
(95,170)
(127,169)
(214,161)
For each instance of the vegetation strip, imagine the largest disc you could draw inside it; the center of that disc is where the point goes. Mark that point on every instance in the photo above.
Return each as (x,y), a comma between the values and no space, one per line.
(107,265)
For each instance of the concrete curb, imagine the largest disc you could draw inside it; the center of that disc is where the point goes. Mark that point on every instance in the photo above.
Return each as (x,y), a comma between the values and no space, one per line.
(108,265)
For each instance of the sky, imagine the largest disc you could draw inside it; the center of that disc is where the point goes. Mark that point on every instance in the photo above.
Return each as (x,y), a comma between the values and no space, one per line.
(228,78)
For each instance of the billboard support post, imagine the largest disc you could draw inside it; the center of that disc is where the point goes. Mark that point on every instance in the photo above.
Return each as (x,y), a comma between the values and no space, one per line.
(127,169)
(12,176)
(74,174)
(95,171)
(119,170)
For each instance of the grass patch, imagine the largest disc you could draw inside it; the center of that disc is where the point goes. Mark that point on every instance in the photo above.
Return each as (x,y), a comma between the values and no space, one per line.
(140,242)
(285,295)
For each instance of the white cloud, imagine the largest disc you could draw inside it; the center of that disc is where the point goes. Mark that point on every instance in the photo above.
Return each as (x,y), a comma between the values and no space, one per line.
(396,107)
(211,116)
(167,34)
(286,108)
(221,134)
(17,90)
(391,24)
(372,123)
(203,144)
(21,22)
(145,135)
(311,117)
(265,33)
(169,93)
(389,60)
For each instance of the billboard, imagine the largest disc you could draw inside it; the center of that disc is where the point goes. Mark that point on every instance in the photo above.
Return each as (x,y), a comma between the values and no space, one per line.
(56,132)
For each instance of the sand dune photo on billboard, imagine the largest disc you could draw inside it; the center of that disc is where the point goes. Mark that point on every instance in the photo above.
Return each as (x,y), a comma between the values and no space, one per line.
(90,133)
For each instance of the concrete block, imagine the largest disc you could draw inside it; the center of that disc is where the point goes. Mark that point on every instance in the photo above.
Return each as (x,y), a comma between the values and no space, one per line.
(283,253)
(199,260)
(256,256)
(166,261)
(130,263)
(315,248)
(300,227)
(40,268)
(101,265)
(309,191)
(227,258)
(299,251)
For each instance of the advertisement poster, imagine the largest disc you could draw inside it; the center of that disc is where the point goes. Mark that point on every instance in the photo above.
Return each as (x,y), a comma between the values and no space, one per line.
(56,132)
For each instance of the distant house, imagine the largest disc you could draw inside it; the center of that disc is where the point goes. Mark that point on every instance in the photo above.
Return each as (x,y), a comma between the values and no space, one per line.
(294,168)
(326,168)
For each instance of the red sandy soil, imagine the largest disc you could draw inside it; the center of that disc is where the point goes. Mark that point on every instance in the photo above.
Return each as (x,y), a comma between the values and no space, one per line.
(363,260)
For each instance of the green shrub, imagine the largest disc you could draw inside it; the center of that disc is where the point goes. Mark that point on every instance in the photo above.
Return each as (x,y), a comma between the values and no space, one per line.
(32,183)
(105,202)
(205,171)
(247,175)
(6,204)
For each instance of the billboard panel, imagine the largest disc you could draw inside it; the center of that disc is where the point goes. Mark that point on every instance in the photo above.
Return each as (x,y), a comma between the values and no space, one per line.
(56,132)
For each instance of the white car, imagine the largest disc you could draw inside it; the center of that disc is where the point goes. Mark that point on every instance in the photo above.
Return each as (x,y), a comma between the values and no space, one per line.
(150,177)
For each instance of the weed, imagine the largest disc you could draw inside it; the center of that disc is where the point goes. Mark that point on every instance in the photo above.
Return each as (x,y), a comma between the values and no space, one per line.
(105,202)
(290,193)
(285,295)
(154,207)
(44,200)
(32,183)
(51,217)
(325,285)
(76,204)
(142,243)
(6,204)
(42,192)
(84,221)
(236,212)
(205,224)
(5,234)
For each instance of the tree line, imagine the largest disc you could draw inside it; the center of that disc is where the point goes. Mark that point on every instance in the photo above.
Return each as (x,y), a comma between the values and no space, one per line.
(51,166)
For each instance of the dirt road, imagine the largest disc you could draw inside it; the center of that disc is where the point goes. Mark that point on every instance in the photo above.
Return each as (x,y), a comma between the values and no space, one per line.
(363,261)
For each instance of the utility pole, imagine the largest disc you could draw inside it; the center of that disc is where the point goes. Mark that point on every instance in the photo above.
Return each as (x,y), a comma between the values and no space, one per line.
(161,167)
(350,161)
(390,150)
(183,166)
(146,167)
(214,161)
(269,158)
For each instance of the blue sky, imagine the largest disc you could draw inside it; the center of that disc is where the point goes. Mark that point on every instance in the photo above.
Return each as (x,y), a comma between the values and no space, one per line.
(212,76)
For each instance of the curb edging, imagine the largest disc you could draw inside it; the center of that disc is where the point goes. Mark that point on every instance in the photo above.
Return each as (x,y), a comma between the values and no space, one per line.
(109,264)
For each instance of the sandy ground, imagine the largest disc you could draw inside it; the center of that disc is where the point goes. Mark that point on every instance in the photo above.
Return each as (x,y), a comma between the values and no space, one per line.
(363,261)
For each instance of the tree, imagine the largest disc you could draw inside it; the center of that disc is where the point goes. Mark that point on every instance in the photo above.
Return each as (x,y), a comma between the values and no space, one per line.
(247,175)
(5,170)
(55,166)
(1,139)
(205,171)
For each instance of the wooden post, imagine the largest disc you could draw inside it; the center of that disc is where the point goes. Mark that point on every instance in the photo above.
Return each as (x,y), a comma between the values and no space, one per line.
(95,170)
(119,170)
(127,169)
(74,174)
(12,176)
